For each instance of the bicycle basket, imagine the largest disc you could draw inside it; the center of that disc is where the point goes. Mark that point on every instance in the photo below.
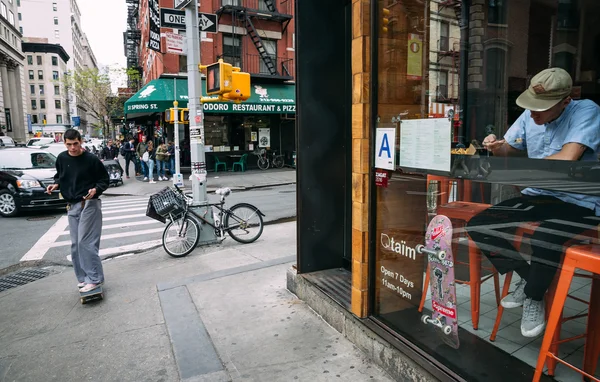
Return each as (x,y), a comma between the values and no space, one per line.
(167,202)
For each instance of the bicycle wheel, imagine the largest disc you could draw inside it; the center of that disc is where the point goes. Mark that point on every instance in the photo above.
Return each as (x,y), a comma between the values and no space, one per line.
(278,162)
(244,223)
(181,237)
(263,163)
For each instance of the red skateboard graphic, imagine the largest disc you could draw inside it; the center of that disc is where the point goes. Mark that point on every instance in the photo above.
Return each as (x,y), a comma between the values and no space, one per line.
(438,247)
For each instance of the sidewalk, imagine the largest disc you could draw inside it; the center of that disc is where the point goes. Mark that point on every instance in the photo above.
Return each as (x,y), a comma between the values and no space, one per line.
(234,180)
(223,313)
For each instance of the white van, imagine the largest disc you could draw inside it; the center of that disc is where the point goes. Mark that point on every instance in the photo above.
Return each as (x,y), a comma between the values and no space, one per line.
(6,142)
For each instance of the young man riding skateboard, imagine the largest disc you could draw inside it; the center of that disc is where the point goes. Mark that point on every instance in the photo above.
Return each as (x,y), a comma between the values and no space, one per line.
(82,178)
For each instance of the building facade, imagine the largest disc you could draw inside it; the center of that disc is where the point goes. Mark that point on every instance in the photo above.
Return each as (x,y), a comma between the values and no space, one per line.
(47,96)
(376,166)
(60,22)
(12,109)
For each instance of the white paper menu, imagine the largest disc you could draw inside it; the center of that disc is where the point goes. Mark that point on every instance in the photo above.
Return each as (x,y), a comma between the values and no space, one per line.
(425,143)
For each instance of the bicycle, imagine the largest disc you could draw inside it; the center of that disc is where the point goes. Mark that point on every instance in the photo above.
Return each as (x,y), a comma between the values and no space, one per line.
(263,161)
(182,233)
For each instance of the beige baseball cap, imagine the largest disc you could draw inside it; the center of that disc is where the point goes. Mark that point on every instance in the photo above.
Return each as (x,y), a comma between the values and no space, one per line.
(547,88)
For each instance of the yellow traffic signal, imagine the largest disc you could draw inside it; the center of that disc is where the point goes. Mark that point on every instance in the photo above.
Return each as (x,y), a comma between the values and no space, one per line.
(218,78)
(385,19)
(241,87)
(170,115)
(184,116)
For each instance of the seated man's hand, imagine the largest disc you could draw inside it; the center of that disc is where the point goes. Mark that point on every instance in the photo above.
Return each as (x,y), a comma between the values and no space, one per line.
(491,143)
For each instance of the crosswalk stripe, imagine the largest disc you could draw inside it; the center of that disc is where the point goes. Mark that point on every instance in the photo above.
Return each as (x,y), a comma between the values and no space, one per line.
(111,236)
(116,202)
(123,225)
(124,210)
(130,248)
(129,205)
(40,248)
(122,217)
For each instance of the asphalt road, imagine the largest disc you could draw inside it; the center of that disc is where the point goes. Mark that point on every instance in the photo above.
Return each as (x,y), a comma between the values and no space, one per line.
(126,229)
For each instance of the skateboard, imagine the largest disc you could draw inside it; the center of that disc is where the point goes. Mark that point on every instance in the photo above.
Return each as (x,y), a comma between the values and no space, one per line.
(92,295)
(438,248)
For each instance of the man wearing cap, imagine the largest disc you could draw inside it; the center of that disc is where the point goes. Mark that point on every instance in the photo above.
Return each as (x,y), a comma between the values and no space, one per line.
(553,127)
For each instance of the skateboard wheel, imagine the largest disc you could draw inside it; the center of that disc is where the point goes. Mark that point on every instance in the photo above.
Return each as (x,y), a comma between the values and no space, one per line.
(419,248)
(425,319)
(447,329)
(441,255)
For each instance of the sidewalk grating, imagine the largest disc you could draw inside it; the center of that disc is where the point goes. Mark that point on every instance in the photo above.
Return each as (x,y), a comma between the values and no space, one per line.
(21,278)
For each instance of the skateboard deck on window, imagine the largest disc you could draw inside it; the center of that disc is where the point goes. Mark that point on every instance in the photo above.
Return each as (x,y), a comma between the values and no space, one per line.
(92,295)
(438,248)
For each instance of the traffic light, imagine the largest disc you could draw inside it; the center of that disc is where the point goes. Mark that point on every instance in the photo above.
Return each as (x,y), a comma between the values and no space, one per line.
(218,78)
(385,19)
(170,116)
(184,116)
(240,88)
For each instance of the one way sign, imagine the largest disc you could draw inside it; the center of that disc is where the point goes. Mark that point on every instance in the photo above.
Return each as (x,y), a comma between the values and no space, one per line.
(174,18)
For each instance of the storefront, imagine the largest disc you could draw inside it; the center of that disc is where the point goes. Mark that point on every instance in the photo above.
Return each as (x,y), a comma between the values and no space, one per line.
(233,131)
(391,133)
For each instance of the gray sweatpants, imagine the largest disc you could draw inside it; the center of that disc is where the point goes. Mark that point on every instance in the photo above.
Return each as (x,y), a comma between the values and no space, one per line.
(85,224)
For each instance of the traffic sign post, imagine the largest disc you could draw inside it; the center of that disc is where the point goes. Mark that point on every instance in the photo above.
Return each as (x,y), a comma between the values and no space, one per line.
(196,122)
(181,4)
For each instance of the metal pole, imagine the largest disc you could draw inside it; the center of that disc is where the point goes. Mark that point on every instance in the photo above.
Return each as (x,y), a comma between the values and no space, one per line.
(198,165)
(177,178)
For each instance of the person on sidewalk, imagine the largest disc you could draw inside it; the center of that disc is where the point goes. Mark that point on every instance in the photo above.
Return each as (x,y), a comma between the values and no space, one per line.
(552,127)
(82,178)
(151,157)
(161,161)
(171,154)
(129,148)
(110,152)
(141,148)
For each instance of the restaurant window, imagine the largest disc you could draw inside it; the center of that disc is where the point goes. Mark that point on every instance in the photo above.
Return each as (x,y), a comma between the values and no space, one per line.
(232,50)
(217,133)
(456,137)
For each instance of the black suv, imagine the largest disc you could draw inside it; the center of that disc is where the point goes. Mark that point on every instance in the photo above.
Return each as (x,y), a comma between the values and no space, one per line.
(24,175)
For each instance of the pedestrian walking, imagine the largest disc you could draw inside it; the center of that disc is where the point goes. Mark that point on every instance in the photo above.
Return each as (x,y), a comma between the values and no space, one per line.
(82,178)
(150,163)
(162,159)
(129,150)
(171,156)
(141,149)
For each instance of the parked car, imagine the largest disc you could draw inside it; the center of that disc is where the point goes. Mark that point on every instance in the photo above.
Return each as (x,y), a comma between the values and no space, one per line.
(24,175)
(7,141)
(52,148)
(39,141)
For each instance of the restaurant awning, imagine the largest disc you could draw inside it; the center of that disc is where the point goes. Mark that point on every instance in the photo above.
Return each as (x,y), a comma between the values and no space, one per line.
(158,95)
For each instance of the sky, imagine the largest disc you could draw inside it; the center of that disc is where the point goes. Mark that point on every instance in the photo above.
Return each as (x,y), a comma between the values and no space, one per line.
(104,21)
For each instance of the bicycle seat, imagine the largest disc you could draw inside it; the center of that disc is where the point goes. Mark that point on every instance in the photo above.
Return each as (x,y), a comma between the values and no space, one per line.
(223,191)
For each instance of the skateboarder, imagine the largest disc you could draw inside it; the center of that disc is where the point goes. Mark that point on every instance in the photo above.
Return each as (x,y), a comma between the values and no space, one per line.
(552,127)
(82,178)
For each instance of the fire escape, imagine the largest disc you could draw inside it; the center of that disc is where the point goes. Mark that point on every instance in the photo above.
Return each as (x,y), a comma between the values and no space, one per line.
(131,41)
(449,49)
(250,15)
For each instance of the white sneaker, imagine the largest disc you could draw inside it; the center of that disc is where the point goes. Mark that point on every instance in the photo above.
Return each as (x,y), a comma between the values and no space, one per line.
(533,321)
(145,178)
(152,181)
(80,285)
(516,298)
(165,178)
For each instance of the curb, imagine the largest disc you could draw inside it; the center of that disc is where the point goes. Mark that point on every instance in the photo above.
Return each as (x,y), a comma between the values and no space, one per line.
(235,188)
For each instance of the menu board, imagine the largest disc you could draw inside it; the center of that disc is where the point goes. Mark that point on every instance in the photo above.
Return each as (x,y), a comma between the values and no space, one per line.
(425,143)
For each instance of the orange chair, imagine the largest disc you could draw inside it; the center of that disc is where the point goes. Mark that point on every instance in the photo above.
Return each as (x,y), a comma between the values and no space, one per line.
(461,213)
(585,257)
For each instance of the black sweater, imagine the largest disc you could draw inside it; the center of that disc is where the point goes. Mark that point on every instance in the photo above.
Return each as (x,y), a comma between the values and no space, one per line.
(76,175)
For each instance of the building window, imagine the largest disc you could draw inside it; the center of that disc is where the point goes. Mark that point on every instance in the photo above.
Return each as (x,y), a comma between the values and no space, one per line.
(56,33)
(56,90)
(54,7)
(55,75)
(29,60)
(21,30)
(54,61)
(39,60)
(262,6)
(32,89)
(59,119)
(271,48)
(42,104)
(34,118)
(42,89)
(497,11)
(495,69)
(232,50)
(3,10)
(20,16)
(56,21)
(237,3)
(33,104)
(57,104)
(11,17)
(442,91)
(40,74)
(444,36)
(31,75)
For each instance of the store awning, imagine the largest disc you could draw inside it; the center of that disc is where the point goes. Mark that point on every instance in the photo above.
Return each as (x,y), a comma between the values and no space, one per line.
(158,95)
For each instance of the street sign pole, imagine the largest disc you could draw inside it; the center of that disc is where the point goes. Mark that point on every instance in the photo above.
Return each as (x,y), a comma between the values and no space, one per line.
(196,120)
